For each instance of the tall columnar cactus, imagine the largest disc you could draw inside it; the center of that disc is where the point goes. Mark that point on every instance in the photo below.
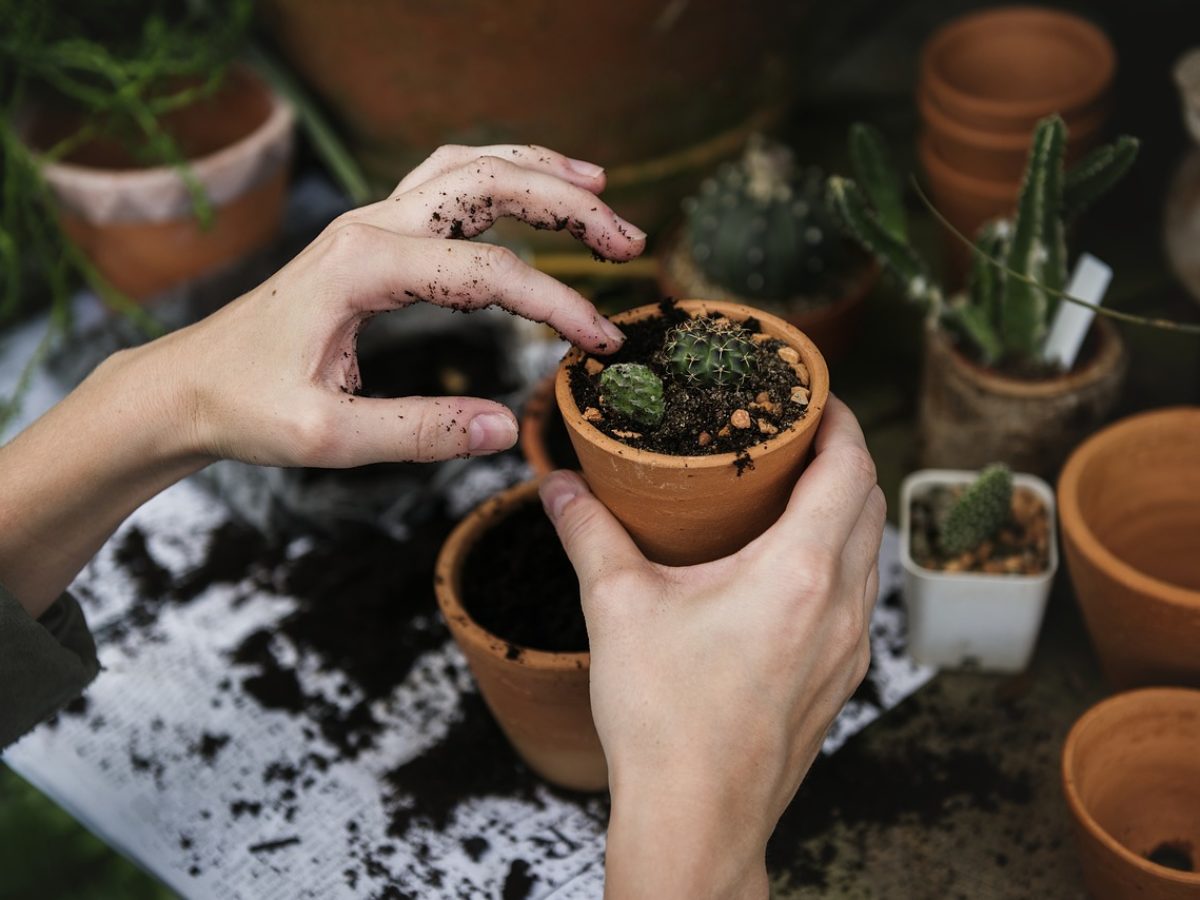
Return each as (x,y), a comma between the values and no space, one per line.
(709,352)
(761,228)
(633,391)
(1004,317)
(979,513)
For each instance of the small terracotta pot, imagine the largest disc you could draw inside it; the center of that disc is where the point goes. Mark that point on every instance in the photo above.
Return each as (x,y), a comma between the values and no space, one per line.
(683,510)
(543,431)
(1130,505)
(540,699)
(1002,69)
(971,416)
(1131,775)
(136,223)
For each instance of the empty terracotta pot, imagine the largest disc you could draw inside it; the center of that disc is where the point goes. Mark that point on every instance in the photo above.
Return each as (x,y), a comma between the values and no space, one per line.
(1129,499)
(540,699)
(966,201)
(1003,69)
(1131,775)
(544,441)
(683,510)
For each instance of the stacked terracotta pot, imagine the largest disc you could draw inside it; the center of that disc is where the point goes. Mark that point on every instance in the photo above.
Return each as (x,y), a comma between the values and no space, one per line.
(985,80)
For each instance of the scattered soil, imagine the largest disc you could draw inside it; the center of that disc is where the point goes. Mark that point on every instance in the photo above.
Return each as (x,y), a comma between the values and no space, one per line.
(518,584)
(691,411)
(1173,855)
(1020,547)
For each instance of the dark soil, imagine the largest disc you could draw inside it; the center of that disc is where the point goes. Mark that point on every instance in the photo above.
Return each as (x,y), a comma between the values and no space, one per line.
(1173,855)
(689,410)
(1020,547)
(518,584)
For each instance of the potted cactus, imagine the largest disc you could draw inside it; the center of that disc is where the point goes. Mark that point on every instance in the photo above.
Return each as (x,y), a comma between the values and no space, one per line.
(979,556)
(988,392)
(694,432)
(759,231)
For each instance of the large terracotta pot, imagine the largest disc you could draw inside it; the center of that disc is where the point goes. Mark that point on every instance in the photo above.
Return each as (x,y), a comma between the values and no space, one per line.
(136,224)
(615,83)
(540,699)
(1131,775)
(683,510)
(1130,505)
(971,416)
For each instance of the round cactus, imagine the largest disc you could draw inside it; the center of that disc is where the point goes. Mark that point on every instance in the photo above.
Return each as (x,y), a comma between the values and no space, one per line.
(761,228)
(633,391)
(979,513)
(710,352)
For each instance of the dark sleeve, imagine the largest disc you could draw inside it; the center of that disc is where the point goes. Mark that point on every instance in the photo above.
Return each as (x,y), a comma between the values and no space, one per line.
(44,663)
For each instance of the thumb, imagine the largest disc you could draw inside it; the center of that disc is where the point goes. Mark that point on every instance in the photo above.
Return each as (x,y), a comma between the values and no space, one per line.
(595,542)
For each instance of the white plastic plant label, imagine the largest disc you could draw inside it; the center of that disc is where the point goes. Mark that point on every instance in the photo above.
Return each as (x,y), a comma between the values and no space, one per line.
(1089,282)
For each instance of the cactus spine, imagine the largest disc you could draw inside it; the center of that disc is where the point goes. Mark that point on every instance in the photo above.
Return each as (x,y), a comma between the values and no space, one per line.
(979,513)
(633,391)
(709,352)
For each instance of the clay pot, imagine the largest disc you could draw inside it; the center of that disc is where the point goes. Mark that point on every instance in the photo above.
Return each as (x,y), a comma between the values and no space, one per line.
(1131,775)
(965,200)
(136,224)
(540,699)
(971,416)
(683,510)
(1130,504)
(544,441)
(1002,69)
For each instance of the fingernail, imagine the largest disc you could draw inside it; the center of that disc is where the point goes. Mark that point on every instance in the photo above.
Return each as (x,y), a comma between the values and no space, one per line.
(587,169)
(489,432)
(629,230)
(611,331)
(557,490)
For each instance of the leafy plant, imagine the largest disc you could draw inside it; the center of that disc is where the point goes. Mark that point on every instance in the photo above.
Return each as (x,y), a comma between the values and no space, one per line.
(979,512)
(632,390)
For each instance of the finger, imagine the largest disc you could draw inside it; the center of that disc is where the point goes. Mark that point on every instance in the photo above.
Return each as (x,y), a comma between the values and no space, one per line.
(593,539)
(528,156)
(871,593)
(860,556)
(467,201)
(372,270)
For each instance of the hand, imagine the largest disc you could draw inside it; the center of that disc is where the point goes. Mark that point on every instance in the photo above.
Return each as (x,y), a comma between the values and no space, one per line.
(713,686)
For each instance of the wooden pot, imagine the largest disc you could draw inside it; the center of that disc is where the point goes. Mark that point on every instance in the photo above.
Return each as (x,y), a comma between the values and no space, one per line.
(540,699)
(1130,504)
(1131,775)
(971,416)
(683,510)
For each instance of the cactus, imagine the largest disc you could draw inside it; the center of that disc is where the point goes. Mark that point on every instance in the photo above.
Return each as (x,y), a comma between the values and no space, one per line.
(761,230)
(1003,318)
(979,513)
(873,168)
(709,352)
(633,391)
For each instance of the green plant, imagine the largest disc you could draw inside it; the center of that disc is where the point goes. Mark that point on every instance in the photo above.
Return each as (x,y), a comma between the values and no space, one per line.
(1020,267)
(761,228)
(979,512)
(633,391)
(711,352)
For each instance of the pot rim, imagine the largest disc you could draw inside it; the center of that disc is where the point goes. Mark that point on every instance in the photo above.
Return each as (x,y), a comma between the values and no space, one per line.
(534,418)
(1075,525)
(1082,815)
(938,120)
(1098,76)
(447,579)
(922,477)
(963,182)
(809,355)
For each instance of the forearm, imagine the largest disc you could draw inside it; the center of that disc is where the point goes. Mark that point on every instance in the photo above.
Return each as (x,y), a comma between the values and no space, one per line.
(73,476)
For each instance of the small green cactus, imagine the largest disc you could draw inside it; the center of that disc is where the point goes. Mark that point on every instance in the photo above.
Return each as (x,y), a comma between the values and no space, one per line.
(633,391)
(709,352)
(979,513)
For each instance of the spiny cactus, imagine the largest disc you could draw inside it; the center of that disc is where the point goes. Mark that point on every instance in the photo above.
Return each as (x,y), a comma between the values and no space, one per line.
(761,228)
(633,391)
(1002,317)
(709,352)
(979,513)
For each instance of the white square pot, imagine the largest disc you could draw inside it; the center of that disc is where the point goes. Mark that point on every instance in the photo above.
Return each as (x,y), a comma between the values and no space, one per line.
(956,619)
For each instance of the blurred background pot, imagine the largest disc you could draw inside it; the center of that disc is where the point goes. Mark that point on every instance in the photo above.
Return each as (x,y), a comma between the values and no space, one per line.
(1131,775)
(1130,504)
(544,440)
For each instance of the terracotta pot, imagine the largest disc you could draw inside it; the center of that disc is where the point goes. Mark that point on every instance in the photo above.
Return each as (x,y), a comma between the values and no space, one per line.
(964,199)
(136,224)
(1130,505)
(683,510)
(540,699)
(971,416)
(544,441)
(1131,775)
(1003,69)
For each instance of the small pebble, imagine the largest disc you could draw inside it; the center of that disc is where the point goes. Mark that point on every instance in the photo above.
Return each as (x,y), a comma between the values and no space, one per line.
(740,419)
(763,397)
(800,395)
(788,355)
(1014,564)
(593,366)
(724,432)
(627,434)
(591,414)
(704,439)
(766,427)
(759,338)
(802,373)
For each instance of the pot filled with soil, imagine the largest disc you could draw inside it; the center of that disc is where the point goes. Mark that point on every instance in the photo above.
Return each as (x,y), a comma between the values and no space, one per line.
(545,443)
(979,557)
(759,232)
(1130,504)
(511,600)
(1131,775)
(695,431)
